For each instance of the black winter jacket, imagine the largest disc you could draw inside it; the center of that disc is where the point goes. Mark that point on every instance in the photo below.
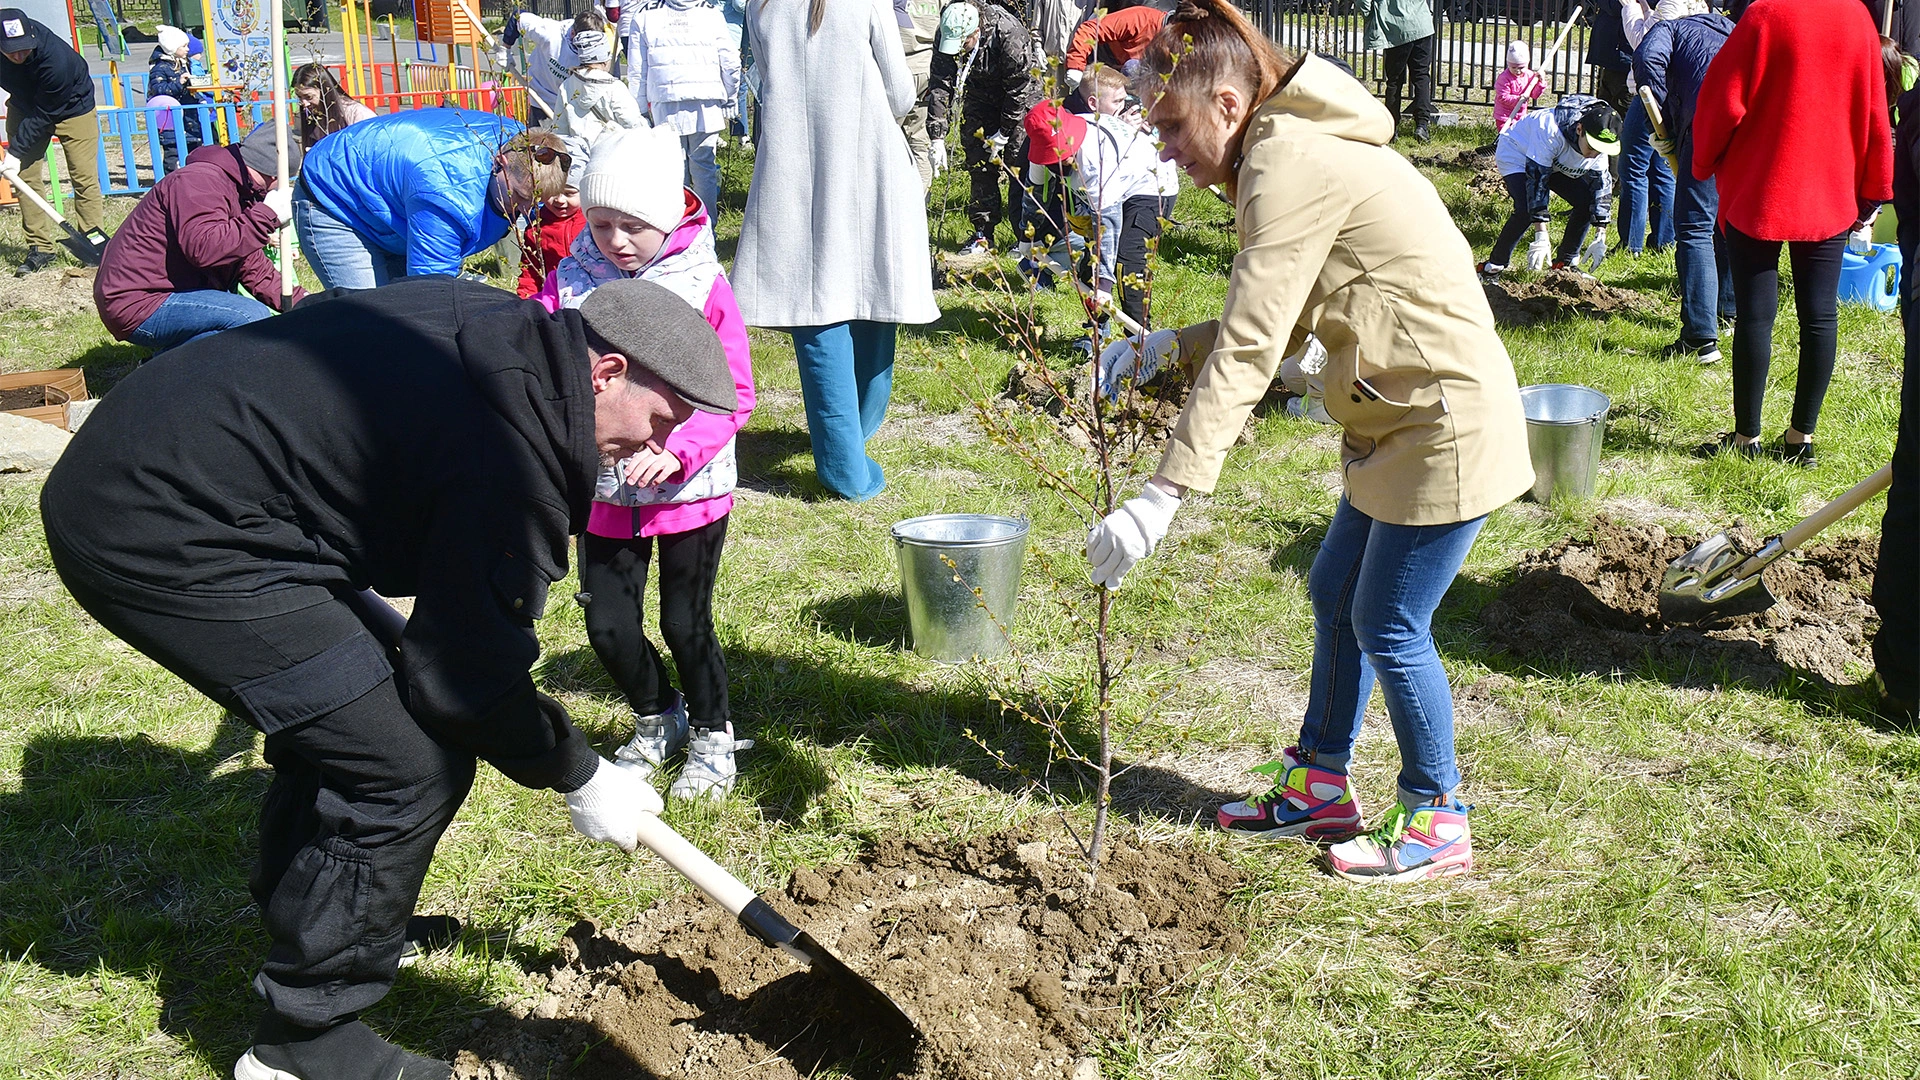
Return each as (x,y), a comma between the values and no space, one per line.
(1001,85)
(1672,62)
(53,85)
(433,438)
(1607,39)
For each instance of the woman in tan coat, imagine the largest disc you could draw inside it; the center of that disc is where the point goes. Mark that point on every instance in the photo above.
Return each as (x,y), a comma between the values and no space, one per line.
(1341,237)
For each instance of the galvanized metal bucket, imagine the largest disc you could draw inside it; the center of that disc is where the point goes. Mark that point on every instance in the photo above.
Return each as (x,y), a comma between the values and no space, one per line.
(1565,426)
(943,608)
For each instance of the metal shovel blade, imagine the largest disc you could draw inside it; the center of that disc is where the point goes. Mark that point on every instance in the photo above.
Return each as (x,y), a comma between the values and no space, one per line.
(877,1008)
(85,246)
(1701,584)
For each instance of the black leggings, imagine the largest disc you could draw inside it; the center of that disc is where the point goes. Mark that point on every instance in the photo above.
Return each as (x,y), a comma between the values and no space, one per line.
(1756,299)
(613,574)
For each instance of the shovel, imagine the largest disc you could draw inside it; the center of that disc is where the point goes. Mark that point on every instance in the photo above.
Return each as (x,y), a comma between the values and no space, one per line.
(86,246)
(1715,580)
(871,1004)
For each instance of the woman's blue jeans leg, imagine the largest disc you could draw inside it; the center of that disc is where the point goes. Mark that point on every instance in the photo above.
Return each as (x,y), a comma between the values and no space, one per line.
(1646,185)
(1374,588)
(340,257)
(189,316)
(846,377)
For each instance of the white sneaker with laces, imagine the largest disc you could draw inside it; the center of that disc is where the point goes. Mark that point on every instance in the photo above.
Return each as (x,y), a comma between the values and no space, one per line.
(655,739)
(977,246)
(710,769)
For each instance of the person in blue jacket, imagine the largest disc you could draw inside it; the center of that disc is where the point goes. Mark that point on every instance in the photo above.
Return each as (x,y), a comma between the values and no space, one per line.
(416,192)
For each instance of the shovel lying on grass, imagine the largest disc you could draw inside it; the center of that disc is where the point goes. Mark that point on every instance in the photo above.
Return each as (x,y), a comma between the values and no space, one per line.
(86,246)
(1716,580)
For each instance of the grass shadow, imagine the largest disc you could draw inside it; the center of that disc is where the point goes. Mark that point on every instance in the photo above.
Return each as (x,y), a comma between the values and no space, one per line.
(874,617)
(778,461)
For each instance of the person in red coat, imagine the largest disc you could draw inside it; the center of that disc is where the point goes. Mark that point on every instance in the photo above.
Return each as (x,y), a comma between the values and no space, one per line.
(550,238)
(1791,124)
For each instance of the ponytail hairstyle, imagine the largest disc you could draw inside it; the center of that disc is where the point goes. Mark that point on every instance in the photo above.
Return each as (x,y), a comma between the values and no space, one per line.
(1209,42)
(816,14)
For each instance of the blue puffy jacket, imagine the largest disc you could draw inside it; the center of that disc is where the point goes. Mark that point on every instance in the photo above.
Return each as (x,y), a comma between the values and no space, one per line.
(414,183)
(1672,62)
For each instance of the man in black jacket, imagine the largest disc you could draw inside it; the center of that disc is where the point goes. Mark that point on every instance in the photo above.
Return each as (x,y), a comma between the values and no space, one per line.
(49,94)
(224,507)
(1896,579)
(997,53)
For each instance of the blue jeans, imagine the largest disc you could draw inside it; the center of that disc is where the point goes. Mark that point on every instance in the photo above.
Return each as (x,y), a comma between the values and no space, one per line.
(846,376)
(1646,184)
(1374,588)
(1700,254)
(341,258)
(188,316)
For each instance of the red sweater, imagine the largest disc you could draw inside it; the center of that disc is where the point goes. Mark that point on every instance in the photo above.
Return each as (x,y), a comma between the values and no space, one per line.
(1791,121)
(548,240)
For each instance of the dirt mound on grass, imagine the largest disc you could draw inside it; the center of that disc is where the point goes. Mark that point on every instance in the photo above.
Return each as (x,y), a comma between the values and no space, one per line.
(1009,961)
(1596,603)
(1154,408)
(1560,294)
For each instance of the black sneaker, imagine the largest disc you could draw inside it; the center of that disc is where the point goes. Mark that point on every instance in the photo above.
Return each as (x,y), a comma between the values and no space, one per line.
(1793,453)
(1725,443)
(37,259)
(1422,132)
(349,1051)
(1705,352)
(427,933)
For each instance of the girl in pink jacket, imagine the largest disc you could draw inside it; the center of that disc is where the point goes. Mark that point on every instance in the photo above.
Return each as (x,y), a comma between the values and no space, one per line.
(1515,86)
(643,222)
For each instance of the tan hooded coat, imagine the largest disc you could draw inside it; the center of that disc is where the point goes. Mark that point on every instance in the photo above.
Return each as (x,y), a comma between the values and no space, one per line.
(1341,236)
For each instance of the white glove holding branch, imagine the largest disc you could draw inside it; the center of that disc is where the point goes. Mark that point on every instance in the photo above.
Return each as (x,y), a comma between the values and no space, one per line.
(1121,363)
(1540,252)
(608,807)
(1130,534)
(280,201)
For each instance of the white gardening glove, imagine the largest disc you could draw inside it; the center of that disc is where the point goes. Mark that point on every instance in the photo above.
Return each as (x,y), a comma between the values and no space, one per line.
(1662,145)
(1129,534)
(1596,252)
(500,57)
(1860,239)
(1073,79)
(608,807)
(280,201)
(1539,253)
(1300,372)
(9,165)
(937,156)
(1121,363)
(995,145)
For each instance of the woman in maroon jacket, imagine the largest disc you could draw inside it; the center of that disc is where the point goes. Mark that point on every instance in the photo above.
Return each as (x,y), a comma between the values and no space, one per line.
(167,277)
(1791,124)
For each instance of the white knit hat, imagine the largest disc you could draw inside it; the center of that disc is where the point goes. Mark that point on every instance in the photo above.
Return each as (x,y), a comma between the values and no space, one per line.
(171,39)
(637,172)
(1518,55)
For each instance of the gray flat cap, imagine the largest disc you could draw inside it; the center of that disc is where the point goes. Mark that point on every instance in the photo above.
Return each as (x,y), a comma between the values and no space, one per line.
(655,329)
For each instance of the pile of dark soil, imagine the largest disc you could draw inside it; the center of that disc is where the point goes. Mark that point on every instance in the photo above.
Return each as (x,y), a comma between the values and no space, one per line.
(1154,408)
(23,397)
(1009,961)
(1596,604)
(1560,294)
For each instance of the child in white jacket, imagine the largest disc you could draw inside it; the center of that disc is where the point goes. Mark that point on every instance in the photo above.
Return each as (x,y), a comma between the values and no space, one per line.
(593,102)
(684,69)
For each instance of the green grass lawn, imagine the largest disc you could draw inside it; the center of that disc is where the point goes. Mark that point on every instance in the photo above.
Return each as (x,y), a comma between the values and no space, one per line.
(1671,881)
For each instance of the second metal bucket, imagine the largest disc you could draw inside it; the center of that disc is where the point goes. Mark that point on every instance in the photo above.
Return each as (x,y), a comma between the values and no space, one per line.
(945,615)
(1565,426)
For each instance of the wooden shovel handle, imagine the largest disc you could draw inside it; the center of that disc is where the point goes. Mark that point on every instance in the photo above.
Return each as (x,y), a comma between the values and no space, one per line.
(692,863)
(35,197)
(1659,125)
(1810,526)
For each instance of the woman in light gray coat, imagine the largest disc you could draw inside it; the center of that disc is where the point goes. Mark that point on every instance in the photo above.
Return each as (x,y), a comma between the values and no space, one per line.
(834,247)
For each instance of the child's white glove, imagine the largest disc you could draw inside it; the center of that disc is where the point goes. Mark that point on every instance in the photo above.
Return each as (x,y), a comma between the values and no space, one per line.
(280,201)
(1129,534)
(1121,363)
(1539,253)
(1596,252)
(608,807)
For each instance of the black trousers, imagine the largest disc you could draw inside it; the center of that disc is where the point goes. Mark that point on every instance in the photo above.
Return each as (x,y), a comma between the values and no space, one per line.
(359,797)
(1610,86)
(1896,577)
(613,574)
(985,207)
(1411,62)
(1756,300)
(1139,226)
(1579,217)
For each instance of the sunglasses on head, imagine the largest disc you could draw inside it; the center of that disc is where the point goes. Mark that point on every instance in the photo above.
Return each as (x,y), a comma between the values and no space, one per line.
(544,155)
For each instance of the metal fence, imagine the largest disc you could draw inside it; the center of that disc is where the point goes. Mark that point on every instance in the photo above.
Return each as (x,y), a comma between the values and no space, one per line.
(1469,50)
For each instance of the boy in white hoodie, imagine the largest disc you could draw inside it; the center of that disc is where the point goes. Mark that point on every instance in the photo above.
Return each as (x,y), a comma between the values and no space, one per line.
(684,68)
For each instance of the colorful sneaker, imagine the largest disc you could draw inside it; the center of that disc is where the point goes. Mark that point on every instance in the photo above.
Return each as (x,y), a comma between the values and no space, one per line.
(1410,845)
(655,739)
(1305,801)
(710,769)
(977,246)
(1490,271)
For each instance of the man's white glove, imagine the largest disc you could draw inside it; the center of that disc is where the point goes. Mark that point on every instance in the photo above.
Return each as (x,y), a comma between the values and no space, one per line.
(937,156)
(1121,363)
(1596,252)
(1860,239)
(1073,79)
(1539,253)
(1129,534)
(1662,145)
(280,201)
(995,145)
(608,807)
(9,165)
(500,57)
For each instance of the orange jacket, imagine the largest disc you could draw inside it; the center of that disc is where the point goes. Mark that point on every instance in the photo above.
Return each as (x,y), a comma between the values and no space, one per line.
(1125,34)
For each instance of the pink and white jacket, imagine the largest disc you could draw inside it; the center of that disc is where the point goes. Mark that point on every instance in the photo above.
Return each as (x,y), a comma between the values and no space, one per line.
(702,492)
(1511,93)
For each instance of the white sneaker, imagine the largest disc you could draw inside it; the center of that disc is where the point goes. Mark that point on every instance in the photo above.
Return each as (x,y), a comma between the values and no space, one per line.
(710,768)
(977,246)
(655,739)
